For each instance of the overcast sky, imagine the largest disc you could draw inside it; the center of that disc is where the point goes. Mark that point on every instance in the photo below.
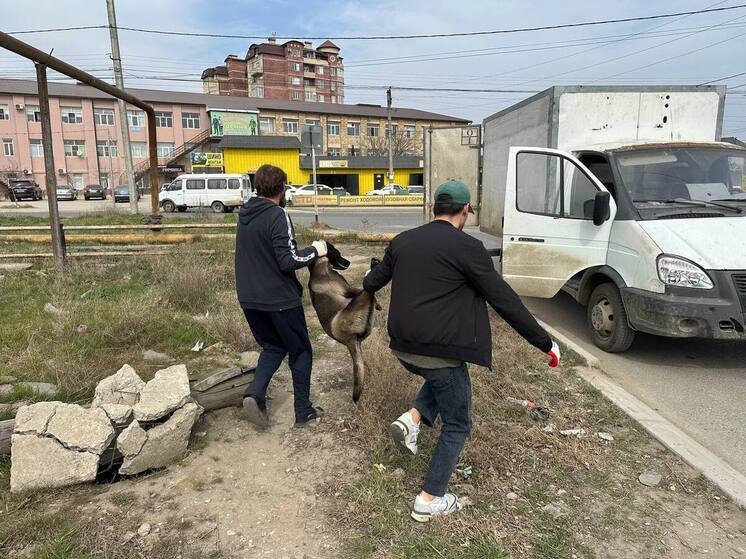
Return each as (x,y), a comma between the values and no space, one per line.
(684,50)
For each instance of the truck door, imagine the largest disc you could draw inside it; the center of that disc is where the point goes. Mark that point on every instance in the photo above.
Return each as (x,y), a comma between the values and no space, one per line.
(549,233)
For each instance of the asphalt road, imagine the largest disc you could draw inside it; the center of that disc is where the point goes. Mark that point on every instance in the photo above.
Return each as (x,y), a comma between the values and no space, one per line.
(699,385)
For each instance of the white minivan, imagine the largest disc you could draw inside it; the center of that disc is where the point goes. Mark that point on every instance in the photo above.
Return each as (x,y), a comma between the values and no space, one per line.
(220,192)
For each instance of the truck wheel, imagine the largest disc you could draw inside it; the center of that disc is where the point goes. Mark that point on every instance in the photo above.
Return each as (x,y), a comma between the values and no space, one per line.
(607,319)
(168,206)
(218,207)
(181,209)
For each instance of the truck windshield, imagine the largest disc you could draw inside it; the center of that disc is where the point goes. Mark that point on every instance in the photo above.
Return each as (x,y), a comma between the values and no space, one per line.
(685,180)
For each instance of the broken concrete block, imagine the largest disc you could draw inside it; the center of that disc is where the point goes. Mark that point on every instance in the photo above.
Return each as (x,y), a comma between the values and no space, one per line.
(119,414)
(15,266)
(6,389)
(39,462)
(78,428)
(131,440)
(34,418)
(42,388)
(168,391)
(165,443)
(123,387)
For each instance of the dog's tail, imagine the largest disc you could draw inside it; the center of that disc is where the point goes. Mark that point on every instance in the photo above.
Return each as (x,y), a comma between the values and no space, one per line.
(358,369)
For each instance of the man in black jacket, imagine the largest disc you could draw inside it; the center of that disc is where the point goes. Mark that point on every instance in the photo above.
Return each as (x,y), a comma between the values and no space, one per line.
(269,292)
(441,278)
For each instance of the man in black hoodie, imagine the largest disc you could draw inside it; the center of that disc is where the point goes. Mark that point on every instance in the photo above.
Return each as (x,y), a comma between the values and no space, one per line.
(269,292)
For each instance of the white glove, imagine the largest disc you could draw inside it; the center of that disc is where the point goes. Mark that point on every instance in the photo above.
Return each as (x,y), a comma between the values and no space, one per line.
(320,247)
(554,355)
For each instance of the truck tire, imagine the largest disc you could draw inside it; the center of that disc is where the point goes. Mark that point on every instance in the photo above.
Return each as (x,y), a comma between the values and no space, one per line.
(218,207)
(607,319)
(168,206)
(181,209)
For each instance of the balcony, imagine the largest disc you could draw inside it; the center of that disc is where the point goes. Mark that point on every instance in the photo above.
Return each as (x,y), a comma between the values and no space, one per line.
(311,75)
(315,61)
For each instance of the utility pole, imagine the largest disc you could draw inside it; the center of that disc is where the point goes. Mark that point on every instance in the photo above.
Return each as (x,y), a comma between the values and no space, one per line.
(123,123)
(390,135)
(111,171)
(58,239)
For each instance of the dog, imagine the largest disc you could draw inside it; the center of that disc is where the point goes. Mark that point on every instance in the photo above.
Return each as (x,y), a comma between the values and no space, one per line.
(345,312)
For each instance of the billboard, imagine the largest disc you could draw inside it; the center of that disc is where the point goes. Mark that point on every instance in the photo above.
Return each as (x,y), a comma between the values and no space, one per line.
(202,159)
(223,123)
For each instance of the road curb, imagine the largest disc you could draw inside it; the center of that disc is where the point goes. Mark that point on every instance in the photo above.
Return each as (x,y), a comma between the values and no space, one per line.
(722,474)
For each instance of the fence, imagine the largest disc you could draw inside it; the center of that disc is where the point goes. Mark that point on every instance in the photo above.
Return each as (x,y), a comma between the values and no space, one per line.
(372,201)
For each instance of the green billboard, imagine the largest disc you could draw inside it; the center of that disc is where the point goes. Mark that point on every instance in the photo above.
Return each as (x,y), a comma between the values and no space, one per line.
(224,123)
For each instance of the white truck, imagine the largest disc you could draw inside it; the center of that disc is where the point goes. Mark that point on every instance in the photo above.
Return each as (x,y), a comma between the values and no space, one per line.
(625,198)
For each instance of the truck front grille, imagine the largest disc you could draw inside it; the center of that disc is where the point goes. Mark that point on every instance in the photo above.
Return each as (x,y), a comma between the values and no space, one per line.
(739,280)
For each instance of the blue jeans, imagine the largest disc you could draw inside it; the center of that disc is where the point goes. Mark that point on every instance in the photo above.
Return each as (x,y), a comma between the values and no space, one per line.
(281,333)
(445,393)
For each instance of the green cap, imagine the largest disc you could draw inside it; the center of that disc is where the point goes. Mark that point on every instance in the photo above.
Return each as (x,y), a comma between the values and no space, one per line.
(453,191)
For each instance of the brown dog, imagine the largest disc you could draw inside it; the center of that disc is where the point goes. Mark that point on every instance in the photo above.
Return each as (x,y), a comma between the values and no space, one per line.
(345,312)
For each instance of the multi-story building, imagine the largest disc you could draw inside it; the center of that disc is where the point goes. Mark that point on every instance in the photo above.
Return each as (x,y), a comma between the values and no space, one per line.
(292,71)
(87,140)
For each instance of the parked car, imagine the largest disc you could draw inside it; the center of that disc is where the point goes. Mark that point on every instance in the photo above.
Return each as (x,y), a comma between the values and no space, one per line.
(94,191)
(339,191)
(308,190)
(416,189)
(393,189)
(20,189)
(220,192)
(65,192)
(122,193)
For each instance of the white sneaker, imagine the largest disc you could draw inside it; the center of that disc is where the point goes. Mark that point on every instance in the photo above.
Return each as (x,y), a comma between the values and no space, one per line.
(404,431)
(423,511)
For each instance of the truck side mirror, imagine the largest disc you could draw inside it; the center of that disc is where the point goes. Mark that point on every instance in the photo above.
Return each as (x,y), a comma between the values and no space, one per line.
(601,207)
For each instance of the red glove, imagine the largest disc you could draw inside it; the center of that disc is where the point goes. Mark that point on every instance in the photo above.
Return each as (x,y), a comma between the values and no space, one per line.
(554,355)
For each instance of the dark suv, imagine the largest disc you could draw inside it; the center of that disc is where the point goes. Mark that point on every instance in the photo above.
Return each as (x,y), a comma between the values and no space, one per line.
(20,189)
(94,191)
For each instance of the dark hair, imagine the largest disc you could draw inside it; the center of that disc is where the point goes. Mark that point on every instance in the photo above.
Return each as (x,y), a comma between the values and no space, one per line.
(447,208)
(269,181)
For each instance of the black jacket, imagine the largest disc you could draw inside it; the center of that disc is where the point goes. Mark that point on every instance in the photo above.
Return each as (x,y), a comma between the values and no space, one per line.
(441,279)
(267,257)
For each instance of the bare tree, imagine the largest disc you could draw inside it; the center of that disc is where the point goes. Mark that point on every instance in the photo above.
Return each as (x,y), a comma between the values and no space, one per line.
(402,145)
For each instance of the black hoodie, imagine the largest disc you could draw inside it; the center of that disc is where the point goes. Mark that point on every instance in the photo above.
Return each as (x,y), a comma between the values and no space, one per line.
(267,257)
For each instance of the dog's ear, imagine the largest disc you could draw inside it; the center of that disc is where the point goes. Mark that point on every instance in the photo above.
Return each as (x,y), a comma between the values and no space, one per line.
(374,262)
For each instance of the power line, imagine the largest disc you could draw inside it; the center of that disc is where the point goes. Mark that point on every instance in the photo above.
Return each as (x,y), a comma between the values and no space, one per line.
(388,37)
(725,78)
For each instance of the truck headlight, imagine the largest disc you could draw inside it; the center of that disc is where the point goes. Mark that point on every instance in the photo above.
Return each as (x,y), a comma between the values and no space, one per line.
(673,270)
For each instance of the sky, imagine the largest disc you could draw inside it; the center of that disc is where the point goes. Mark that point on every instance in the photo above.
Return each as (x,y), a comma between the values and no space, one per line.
(683,50)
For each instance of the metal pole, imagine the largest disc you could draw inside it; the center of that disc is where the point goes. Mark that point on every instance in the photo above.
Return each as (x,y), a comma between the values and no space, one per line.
(27,51)
(315,186)
(390,137)
(119,80)
(111,172)
(58,247)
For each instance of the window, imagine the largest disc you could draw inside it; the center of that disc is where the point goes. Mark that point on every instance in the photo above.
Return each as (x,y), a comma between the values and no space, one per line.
(320,98)
(8,147)
(77,181)
(103,178)
(295,66)
(320,84)
(353,128)
(72,115)
(294,81)
(393,127)
(37,150)
(580,193)
(190,120)
(165,149)
(74,147)
(333,85)
(103,117)
(136,119)
(106,148)
(33,114)
(334,152)
(217,184)
(295,95)
(267,125)
(311,96)
(4,114)
(409,131)
(165,119)
(334,99)
(195,184)
(332,71)
(234,184)
(313,122)
(139,149)
(373,130)
(319,70)
(289,126)
(332,128)
(538,183)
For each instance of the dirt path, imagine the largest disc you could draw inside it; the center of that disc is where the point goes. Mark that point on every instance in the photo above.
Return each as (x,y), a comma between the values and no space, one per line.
(245,492)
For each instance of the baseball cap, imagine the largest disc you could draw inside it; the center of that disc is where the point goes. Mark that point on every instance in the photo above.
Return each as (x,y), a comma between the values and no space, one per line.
(453,191)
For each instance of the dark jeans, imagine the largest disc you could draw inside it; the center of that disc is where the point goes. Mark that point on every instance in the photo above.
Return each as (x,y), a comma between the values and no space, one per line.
(282,333)
(445,393)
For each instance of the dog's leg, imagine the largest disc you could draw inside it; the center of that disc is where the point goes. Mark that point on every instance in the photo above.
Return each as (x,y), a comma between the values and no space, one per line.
(358,369)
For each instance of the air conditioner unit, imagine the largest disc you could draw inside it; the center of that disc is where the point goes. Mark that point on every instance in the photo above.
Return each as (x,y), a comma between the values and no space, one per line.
(81,155)
(20,106)
(61,171)
(26,172)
